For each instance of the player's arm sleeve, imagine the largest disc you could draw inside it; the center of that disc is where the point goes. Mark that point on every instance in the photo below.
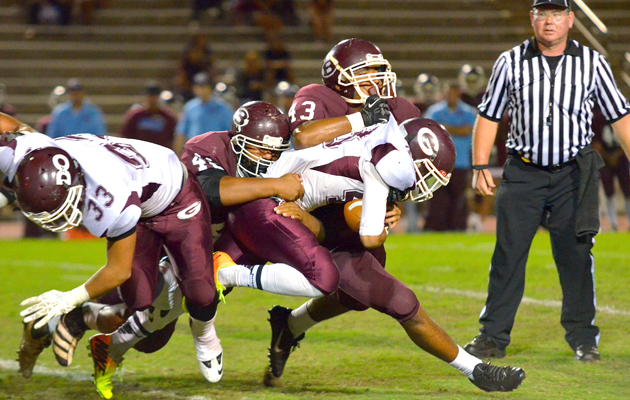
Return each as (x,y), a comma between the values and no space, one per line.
(210,180)
(125,224)
(374,202)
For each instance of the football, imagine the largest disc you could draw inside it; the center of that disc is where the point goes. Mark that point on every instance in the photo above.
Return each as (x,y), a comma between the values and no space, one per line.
(352,213)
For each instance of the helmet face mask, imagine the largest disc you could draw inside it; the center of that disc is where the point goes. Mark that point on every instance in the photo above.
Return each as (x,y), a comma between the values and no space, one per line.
(49,188)
(433,153)
(64,218)
(430,179)
(258,128)
(354,67)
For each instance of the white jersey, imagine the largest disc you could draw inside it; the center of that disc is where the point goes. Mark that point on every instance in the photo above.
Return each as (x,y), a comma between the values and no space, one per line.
(125,179)
(362,164)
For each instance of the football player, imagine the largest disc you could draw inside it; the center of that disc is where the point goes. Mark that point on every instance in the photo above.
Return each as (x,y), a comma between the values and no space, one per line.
(227,165)
(143,201)
(359,90)
(377,167)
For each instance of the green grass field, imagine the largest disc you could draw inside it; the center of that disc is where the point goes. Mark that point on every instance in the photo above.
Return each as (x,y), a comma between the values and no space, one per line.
(357,356)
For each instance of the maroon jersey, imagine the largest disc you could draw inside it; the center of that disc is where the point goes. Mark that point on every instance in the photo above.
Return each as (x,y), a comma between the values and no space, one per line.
(156,127)
(314,102)
(211,150)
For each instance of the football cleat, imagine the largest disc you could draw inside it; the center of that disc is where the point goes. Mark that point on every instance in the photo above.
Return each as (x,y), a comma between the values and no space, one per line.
(221,260)
(492,378)
(212,370)
(282,340)
(104,366)
(70,330)
(34,341)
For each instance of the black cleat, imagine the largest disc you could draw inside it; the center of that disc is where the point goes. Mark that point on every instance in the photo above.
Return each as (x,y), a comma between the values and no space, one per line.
(282,340)
(587,353)
(70,330)
(492,378)
(482,346)
(34,341)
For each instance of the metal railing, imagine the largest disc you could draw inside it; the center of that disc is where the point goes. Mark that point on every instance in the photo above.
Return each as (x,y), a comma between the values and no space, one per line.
(596,22)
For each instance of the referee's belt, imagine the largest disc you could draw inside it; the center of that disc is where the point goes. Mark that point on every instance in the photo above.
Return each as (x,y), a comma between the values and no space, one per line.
(548,168)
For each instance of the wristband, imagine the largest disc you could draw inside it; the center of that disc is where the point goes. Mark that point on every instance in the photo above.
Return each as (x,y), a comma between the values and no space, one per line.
(356,121)
(78,296)
(480,167)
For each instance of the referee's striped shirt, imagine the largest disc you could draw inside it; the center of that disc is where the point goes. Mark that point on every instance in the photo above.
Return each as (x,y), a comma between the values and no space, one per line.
(550,116)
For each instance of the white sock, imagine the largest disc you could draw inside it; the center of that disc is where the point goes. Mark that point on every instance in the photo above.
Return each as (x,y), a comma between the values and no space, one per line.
(300,321)
(465,362)
(127,335)
(273,278)
(207,343)
(90,314)
(611,210)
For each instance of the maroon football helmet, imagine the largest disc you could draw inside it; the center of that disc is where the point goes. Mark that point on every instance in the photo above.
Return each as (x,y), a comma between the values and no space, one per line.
(342,63)
(433,153)
(48,185)
(258,125)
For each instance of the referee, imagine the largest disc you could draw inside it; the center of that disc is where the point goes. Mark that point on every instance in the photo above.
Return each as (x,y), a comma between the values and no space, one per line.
(548,85)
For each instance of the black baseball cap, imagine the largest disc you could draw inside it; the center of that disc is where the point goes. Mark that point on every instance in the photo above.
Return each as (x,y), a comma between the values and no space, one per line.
(558,3)
(153,88)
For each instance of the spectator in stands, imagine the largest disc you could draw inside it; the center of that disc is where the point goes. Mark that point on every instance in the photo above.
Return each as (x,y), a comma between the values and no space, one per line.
(87,8)
(77,115)
(472,80)
(447,210)
(250,79)
(4,106)
(617,165)
(427,90)
(283,95)
(150,121)
(322,20)
(49,12)
(197,58)
(199,8)
(202,114)
(277,62)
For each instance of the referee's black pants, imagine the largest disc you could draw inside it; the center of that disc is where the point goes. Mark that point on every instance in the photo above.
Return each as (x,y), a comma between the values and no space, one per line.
(527,197)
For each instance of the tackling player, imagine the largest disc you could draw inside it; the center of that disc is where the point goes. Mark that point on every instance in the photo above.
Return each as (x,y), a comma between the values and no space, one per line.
(142,201)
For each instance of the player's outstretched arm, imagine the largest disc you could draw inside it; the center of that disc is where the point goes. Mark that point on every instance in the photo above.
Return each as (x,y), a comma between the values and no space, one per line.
(312,133)
(234,191)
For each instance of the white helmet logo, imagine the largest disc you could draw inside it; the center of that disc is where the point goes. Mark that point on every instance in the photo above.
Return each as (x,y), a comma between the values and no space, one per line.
(328,68)
(241,119)
(428,142)
(62,164)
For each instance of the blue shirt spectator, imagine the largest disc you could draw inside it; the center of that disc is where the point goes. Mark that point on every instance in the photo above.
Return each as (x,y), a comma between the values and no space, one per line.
(202,114)
(76,115)
(200,117)
(458,118)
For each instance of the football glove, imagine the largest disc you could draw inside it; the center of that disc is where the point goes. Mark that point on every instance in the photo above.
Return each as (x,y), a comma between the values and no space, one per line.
(375,111)
(396,195)
(52,303)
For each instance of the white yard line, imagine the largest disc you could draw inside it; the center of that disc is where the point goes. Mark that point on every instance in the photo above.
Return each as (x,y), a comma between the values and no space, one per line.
(526,300)
(80,376)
